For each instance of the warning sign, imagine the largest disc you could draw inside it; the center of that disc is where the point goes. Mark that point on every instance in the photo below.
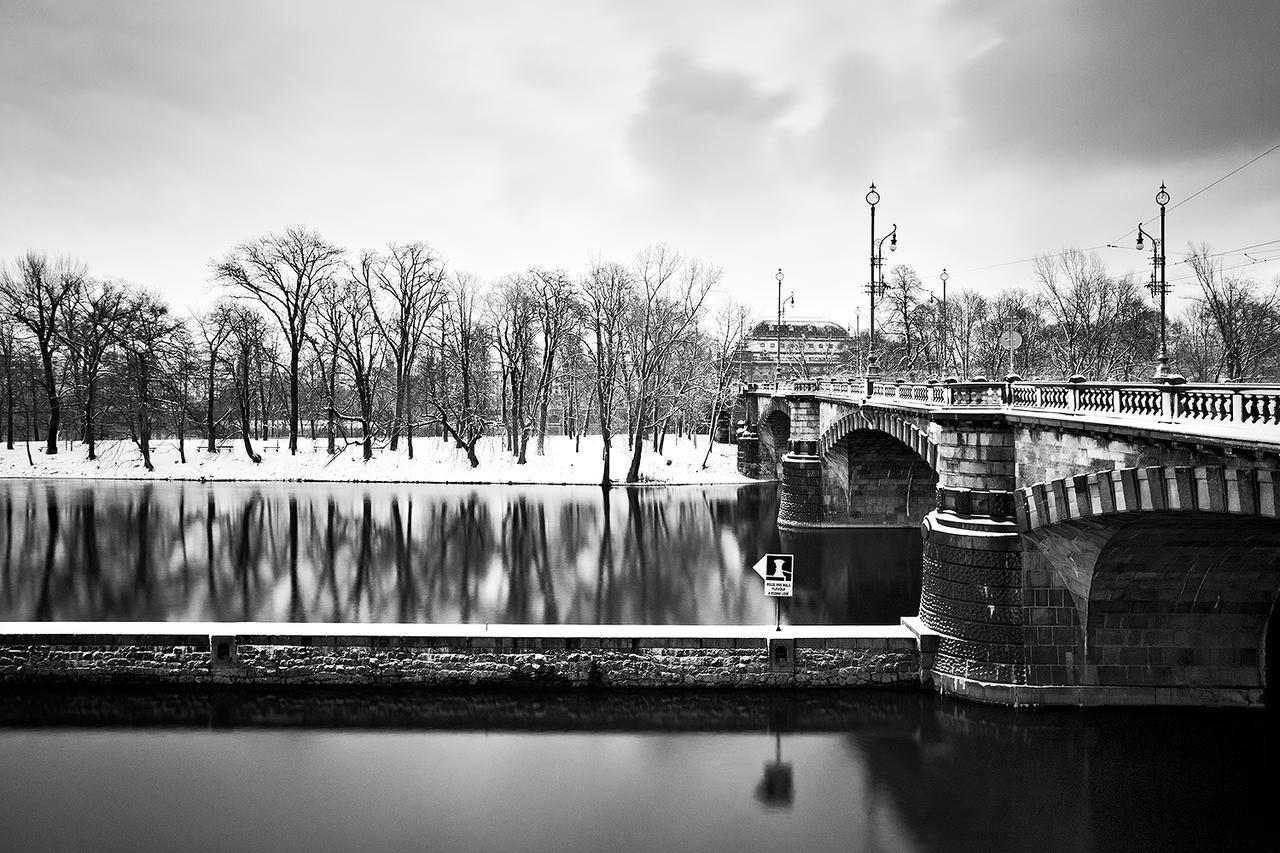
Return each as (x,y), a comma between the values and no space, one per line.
(776,570)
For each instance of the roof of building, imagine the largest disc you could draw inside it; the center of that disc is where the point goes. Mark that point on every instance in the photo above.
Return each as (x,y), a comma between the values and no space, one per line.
(794,327)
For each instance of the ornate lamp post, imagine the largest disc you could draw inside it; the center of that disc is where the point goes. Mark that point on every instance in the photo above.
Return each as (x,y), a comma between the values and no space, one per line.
(777,330)
(777,365)
(876,286)
(942,361)
(1159,287)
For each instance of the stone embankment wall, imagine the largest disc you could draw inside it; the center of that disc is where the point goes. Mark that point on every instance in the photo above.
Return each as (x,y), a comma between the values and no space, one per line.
(787,660)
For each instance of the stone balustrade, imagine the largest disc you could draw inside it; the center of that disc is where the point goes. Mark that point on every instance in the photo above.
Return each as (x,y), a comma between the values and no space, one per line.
(1228,404)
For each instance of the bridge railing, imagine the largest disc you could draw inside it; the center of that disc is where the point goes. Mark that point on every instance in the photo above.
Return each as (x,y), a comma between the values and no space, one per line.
(984,394)
(1244,405)
(1231,404)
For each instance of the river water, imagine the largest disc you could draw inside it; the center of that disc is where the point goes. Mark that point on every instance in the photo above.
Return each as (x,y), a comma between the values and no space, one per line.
(322,552)
(644,771)
(195,769)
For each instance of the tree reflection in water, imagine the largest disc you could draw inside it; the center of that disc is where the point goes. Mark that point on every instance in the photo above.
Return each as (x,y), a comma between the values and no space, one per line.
(431,554)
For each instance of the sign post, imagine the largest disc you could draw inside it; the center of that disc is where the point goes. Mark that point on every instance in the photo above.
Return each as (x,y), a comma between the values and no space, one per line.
(1010,340)
(777,571)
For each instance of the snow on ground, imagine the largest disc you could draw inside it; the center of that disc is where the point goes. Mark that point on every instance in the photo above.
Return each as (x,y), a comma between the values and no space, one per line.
(434,461)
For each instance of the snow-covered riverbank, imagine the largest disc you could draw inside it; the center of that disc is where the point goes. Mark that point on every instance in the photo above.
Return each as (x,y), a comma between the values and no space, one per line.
(434,462)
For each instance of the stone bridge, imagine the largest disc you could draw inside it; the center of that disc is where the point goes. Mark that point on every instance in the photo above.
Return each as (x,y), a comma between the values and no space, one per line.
(1085,543)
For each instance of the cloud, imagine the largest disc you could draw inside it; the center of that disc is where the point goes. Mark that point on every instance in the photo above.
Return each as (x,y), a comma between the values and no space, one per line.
(1128,82)
(706,130)
(876,117)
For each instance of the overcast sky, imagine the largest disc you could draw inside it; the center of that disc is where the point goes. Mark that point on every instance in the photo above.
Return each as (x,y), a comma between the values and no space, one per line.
(146,138)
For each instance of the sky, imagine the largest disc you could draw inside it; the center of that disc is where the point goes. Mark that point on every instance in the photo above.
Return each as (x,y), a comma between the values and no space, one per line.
(147,138)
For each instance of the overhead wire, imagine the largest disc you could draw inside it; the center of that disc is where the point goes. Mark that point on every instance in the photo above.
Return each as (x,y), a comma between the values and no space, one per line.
(1113,243)
(1202,189)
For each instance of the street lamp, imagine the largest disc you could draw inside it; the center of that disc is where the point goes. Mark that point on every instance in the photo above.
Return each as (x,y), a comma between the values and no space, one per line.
(777,367)
(876,286)
(942,362)
(1159,287)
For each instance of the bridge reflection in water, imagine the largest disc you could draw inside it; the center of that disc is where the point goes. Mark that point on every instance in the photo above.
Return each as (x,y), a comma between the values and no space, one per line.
(398,553)
(817,770)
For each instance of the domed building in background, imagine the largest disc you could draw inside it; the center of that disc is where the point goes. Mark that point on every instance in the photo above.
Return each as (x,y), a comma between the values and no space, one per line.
(802,348)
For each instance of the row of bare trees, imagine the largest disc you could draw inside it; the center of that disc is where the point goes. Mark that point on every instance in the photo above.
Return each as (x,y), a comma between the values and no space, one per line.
(117,347)
(369,349)
(1077,318)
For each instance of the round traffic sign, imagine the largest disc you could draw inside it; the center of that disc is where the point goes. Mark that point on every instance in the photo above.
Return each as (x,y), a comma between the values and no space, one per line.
(1010,340)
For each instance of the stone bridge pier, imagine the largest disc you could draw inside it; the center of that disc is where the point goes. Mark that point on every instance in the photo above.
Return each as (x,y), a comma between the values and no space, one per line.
(972,572)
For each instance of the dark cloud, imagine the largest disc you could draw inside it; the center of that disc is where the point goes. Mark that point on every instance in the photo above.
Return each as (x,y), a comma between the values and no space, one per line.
(1144,81)
(702,128)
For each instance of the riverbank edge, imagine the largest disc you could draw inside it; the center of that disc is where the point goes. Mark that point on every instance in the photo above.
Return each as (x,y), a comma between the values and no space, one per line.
(681,465)
(616,484)
(470,655)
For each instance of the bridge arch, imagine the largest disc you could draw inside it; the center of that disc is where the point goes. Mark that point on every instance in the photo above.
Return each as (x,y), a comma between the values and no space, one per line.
(1143,580)
(876,471)
(1213,489)
(887,421)
(774,431)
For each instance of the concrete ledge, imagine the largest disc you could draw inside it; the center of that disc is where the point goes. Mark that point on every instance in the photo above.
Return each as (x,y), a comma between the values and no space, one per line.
(1084,696)
(457,655)
(437,635)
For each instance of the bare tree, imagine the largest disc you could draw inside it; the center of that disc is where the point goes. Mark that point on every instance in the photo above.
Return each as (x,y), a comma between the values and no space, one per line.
(609,291)
(967,314)
(904,300)
(147,339)
(513,318)
(284,272)
(1194,343)
(94,317)
(243,345)
(405,289)
(361,347)
(669,298)
(8,356)
(554,302)
(214,328)
(727,336)
(1098,325)
(35,295)
(578,378)
(327,341)
(1246,319)
(1020,311)
(465,341)
(181,369)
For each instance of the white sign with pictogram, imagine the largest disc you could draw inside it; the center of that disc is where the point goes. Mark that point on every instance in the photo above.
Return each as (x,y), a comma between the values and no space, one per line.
(776,570)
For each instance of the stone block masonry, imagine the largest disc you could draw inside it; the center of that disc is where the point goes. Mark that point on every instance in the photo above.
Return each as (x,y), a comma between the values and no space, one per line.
(458,656)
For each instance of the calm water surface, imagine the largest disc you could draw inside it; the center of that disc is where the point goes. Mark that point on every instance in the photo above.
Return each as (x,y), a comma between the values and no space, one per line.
(427,553)
(697,772)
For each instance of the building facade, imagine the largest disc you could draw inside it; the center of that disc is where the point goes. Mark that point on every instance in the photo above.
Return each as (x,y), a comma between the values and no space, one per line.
(801,348)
